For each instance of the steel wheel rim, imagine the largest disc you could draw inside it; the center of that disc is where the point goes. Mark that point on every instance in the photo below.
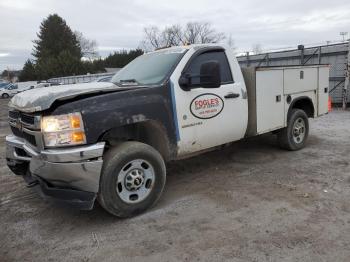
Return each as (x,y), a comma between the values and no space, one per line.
(299,130)
(135,181)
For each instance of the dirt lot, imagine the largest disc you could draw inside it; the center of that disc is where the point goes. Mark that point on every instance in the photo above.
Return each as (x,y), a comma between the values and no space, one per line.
(248,202)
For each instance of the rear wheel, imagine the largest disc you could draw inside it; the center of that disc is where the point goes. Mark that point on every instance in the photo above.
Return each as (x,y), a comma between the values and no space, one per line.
(5,95)
(132,179)
(294,136)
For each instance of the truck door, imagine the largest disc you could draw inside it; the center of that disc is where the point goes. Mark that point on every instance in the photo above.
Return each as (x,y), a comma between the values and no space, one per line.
(208,117)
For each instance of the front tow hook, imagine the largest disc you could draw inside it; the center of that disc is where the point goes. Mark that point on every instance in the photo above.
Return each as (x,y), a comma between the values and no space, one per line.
(30,180)
(33,183)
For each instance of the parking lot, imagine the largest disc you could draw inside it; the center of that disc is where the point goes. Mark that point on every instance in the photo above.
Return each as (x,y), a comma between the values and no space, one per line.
(248,202)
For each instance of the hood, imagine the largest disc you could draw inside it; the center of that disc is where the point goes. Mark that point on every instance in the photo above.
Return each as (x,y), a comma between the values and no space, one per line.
(42,98)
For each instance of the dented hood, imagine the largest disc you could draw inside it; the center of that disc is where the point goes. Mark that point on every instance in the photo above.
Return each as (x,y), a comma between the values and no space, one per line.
(42,98)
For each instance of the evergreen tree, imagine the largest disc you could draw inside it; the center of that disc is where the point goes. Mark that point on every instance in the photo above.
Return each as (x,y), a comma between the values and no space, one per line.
(54,37)
(28,72)
(58,53)
(121,58)
(57,50)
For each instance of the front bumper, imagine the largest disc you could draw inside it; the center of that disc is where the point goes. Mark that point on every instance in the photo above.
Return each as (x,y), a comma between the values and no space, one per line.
(62,173)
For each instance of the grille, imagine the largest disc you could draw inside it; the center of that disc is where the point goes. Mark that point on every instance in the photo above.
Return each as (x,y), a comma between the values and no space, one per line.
(27,119)
(14,114)
(30,138)
(16,131)
(21,152)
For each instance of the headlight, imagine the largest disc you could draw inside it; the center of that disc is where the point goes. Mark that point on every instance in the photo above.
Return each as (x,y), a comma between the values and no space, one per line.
(63,130)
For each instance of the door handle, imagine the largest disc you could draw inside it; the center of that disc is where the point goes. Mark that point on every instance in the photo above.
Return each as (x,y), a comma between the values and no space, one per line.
(231,95)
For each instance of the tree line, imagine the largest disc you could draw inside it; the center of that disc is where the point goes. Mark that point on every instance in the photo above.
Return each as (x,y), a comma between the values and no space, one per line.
(68,66)
(174,35)
(58,51)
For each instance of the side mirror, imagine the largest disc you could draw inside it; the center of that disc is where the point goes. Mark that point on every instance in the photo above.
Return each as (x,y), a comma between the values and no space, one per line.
(210,75)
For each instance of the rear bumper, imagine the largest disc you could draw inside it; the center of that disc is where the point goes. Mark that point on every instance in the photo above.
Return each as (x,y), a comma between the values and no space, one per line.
(67,174)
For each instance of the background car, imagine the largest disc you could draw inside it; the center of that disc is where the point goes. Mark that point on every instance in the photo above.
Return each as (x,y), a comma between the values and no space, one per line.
(8,90)
(3,84)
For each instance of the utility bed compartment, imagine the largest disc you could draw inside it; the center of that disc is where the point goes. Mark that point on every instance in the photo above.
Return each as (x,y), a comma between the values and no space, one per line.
(269,88)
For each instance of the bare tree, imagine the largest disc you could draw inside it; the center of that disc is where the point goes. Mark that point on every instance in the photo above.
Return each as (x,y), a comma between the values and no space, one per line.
(257,49)
(88,47)
(208,35)
(153,37)
(172,35)
(192,33)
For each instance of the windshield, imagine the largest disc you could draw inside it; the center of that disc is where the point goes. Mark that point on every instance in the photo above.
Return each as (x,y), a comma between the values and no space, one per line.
(149,69)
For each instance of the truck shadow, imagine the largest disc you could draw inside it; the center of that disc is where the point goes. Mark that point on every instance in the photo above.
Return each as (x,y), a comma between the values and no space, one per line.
(208,168)
(196,174)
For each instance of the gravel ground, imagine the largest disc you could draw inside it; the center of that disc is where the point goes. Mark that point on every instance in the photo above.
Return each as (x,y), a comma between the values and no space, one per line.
(248,202)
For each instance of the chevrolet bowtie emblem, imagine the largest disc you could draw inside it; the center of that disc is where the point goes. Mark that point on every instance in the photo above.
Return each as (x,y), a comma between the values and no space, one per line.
(18,124)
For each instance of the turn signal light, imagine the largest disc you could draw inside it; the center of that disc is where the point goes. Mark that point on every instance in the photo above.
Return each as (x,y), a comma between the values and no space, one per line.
(78,137)
(75,121)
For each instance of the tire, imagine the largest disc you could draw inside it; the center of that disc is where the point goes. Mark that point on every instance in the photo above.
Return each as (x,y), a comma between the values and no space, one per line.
(5,95)
(294,136)
(132,179)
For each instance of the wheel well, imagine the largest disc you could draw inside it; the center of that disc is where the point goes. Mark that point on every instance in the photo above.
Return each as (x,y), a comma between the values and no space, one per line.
(304,104)
(149,132)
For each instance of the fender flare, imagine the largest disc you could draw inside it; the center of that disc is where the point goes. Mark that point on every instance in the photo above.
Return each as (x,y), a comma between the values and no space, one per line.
(297,99)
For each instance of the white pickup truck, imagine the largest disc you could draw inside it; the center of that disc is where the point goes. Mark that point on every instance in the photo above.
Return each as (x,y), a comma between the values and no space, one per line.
(110,141)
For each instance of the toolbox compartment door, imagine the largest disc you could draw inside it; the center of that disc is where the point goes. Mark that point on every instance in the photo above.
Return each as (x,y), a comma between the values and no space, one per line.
(298,80)
(323,90)
(269,100)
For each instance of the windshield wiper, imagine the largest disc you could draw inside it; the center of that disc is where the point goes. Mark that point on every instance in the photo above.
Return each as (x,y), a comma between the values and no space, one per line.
(128,81)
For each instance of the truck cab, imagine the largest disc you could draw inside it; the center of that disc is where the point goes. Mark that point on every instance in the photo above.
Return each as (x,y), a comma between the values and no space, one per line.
(200,109)
(111,141)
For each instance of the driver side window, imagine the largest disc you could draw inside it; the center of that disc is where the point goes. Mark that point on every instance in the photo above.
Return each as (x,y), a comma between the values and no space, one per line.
(217,56)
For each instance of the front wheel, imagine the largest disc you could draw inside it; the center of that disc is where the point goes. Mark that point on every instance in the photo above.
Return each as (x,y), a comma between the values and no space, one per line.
(294,136)
(132,180)
(5,95)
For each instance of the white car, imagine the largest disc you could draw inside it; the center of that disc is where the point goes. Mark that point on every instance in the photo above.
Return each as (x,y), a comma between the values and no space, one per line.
(9,90)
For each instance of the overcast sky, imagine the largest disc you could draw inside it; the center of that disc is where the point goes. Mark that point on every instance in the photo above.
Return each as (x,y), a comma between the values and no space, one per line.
(116,24)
